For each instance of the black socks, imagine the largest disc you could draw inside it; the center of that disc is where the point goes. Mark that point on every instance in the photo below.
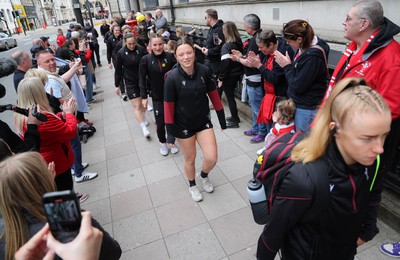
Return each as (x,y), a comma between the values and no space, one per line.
(192,183)
(203,174)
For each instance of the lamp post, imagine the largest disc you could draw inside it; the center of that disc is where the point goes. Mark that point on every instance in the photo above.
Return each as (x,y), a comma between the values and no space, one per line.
(88,4)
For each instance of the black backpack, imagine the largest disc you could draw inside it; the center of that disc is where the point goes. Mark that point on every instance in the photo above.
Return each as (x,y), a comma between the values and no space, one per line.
(85,131)
(270,168)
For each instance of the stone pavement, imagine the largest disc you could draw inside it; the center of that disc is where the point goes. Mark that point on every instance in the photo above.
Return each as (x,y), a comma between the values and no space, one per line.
(141,197)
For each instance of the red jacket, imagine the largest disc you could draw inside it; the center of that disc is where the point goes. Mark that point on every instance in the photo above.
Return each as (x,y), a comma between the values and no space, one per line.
(61,40)
(55,137)
(380,66)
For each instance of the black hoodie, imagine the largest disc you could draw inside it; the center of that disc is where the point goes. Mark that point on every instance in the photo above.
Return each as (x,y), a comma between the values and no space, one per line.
(214,51)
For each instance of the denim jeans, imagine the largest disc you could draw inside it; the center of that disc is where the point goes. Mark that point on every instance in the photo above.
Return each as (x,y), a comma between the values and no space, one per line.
(77,149)
(255,97)
(303,118)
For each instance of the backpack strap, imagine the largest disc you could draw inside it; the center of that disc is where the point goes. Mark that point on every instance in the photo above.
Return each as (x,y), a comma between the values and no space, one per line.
(323,53)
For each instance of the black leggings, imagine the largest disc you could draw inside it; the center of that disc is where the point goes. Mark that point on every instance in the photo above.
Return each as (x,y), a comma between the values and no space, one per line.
(158,108)
(228,86)
(64,181)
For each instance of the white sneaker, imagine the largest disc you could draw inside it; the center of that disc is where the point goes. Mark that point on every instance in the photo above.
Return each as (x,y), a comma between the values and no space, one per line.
(164,149)
(174,149)
(149,107)
(207,185)
(146,132)
(196,194)
(86,176)
(84,165)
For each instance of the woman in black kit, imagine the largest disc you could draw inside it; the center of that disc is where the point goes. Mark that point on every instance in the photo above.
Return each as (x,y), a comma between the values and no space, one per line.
(127,66)
(187,114)
(153,67)
(230,71)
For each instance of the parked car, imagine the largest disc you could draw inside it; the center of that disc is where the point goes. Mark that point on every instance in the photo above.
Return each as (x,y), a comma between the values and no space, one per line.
(7,41)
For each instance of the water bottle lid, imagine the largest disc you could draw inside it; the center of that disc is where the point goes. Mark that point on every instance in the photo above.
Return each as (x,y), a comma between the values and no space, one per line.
(254,184)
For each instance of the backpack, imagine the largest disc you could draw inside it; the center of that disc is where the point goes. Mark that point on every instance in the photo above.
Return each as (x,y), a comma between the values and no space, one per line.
(85,131)
(270,168)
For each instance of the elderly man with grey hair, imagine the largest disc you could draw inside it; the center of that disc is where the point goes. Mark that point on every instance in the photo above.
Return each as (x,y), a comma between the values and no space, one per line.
(161,21)
(252,81)
(24,63)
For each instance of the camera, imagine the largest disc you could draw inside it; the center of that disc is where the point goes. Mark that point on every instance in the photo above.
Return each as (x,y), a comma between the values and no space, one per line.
(24,111)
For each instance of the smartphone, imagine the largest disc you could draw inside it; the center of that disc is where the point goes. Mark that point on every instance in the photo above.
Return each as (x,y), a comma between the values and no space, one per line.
(63,214)
(215,38)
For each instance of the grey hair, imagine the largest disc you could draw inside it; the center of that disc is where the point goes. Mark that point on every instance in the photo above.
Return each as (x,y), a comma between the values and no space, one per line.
(372,11)
(253,21)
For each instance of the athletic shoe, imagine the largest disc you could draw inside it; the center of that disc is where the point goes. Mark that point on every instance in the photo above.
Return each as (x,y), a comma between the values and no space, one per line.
(232,124)
(84,165)
(164,149)
(82,197)
(207,185)
(146,132)
(196,194)
(149,107)
(229,118)
(86,176)
(249,133)
(174,149)
(389,249)
(257,139)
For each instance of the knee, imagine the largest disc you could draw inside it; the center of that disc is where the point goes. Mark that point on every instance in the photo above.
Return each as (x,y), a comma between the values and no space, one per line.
(211,160)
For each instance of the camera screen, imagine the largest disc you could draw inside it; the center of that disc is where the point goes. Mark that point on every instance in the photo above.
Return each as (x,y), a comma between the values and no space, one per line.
(64,219)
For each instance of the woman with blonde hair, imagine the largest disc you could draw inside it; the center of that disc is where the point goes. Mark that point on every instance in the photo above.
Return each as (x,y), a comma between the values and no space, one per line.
(24,179)
(55,134)
(328,200)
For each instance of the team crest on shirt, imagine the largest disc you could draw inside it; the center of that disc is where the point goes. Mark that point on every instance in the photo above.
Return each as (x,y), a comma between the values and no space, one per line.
(184,83)
(364,66)
(126,53)
(163,65)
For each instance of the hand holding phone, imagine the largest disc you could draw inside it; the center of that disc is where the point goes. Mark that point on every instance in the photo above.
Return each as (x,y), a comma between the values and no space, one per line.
(63,214)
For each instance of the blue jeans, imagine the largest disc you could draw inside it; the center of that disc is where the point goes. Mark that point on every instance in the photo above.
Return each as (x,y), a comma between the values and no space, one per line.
(303,119)
(255,97)
(77,149)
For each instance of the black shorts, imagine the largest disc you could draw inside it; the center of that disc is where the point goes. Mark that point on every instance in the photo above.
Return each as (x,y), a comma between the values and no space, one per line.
(186,133)
(132,91)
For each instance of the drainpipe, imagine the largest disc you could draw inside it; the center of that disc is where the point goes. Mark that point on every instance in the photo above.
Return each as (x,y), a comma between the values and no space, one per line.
(171,2)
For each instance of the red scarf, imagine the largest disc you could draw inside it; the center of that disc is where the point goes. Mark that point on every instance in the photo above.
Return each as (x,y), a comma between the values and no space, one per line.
(268,102)
(350,58)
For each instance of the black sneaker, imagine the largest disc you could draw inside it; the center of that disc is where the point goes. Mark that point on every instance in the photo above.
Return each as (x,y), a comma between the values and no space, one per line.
(231,119)
(232,124)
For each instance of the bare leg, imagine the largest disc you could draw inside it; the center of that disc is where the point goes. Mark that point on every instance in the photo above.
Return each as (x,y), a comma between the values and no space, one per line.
(138,109)
(188,147)
(208,145)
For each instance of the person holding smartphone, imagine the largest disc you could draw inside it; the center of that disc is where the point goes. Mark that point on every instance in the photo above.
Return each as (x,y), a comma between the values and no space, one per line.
(24,179)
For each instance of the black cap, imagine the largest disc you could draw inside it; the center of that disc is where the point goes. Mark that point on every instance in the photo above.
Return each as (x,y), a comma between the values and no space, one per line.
(44,38)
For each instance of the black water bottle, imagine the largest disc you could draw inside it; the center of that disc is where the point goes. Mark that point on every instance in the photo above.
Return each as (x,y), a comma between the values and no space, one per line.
(258,201)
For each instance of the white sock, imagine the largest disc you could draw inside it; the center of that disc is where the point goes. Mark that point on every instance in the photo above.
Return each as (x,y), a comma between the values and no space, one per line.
(143,125)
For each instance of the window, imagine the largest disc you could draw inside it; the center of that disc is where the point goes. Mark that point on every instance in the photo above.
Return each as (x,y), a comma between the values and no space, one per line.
(151,3)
